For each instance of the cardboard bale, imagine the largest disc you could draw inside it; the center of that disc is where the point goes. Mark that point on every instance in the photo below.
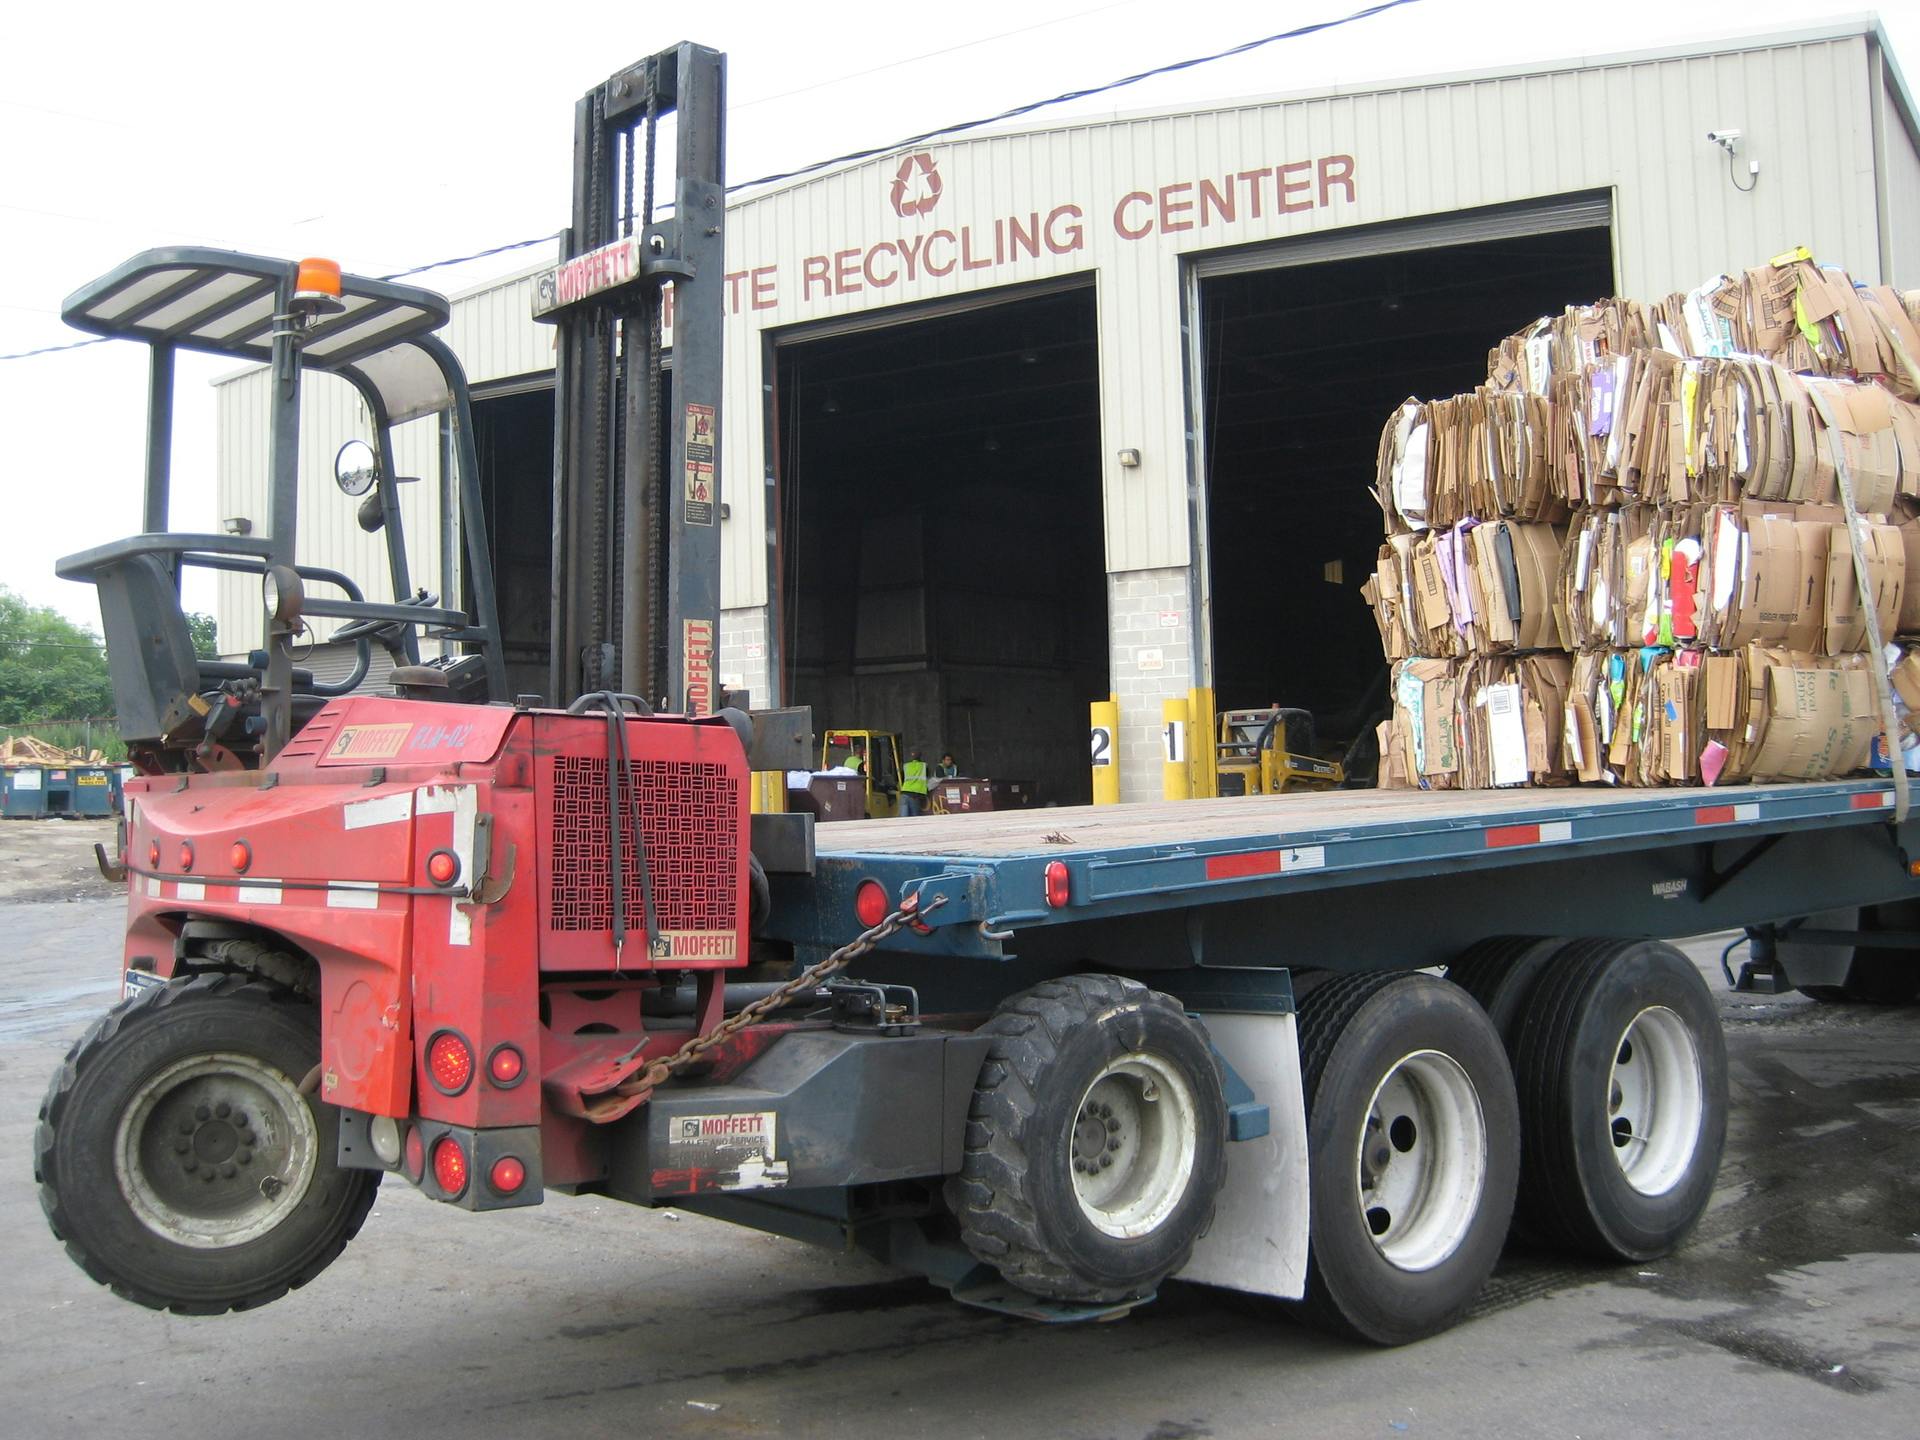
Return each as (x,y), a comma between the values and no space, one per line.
(1813,724)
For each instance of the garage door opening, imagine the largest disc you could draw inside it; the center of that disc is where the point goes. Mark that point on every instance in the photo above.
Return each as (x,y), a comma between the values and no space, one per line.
(942,571)
(1301,366)
(513,442)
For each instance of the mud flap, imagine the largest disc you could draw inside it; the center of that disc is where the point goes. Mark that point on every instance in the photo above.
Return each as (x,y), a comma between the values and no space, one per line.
(1258,1240)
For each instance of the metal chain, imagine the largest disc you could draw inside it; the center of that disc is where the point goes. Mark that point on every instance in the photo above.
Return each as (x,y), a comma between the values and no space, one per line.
(656,1071)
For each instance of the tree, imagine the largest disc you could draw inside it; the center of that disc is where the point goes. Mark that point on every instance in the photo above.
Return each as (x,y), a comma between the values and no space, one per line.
(206,635)
(50,668)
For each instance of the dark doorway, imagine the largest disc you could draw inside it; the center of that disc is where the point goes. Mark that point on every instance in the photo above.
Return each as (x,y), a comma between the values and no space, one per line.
(513,440)
(1302,366)
(942,567)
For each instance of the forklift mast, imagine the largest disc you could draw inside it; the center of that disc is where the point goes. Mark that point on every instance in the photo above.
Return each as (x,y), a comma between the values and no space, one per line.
(636,557)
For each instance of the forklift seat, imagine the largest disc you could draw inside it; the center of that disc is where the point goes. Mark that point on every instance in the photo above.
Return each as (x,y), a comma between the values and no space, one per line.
(140,615)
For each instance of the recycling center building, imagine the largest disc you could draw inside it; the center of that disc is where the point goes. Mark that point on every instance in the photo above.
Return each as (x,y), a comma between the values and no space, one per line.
(1021,419)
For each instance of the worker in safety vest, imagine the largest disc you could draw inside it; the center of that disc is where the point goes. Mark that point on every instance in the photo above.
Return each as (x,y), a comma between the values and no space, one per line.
(945,768)
(913,786)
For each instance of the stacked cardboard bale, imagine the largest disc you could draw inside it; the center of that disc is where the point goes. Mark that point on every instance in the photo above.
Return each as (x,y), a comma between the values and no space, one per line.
(1625,559)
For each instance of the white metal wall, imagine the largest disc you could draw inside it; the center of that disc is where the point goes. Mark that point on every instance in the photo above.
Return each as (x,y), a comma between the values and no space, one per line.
(1900,184)
(1127,199)
(331,413)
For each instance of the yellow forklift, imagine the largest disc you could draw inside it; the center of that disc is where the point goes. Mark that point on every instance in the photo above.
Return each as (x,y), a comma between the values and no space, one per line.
(1269,752)
(876,755)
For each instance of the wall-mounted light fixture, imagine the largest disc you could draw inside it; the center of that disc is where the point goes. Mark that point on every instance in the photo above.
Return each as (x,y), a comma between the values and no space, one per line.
(1129,459)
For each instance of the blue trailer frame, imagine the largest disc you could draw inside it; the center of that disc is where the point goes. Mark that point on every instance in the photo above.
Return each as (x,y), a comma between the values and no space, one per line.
(1257,882)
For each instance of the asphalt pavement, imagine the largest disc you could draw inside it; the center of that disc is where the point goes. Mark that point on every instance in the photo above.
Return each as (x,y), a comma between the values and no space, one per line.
(1795,1310)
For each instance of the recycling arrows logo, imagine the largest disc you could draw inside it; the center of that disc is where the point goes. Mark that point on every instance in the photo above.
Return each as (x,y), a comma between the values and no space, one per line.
(916,186)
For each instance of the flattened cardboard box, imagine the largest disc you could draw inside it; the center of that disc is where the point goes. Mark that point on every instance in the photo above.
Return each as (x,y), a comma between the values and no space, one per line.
(1819,723)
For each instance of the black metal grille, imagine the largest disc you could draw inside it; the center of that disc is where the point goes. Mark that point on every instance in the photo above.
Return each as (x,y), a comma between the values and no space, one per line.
(688,816)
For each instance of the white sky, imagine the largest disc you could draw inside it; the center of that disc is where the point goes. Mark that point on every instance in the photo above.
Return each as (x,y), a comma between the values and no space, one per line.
(387,135)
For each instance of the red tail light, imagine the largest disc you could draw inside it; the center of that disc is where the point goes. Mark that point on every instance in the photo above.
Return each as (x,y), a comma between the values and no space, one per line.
(153,855)
(415,1154)
(186,855)
(870,903)
(506,1065)
(450,1166)
(443,867)
(240,857)
(507,1175)
(1059,883)
(449,1062)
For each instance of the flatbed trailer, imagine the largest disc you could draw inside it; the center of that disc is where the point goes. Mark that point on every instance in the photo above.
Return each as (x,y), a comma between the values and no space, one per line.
(1268,880)
(1279,922)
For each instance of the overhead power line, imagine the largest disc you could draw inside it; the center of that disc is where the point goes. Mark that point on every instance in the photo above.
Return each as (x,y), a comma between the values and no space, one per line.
(1298,32)
(1014,113)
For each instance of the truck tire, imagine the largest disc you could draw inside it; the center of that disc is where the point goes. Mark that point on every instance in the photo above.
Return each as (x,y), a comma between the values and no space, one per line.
(1413,1153)
(178,1160)
(1096,1143)
(1622,1072)
(1501,974)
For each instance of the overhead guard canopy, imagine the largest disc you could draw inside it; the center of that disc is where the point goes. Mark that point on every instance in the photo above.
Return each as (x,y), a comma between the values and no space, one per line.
(223,302)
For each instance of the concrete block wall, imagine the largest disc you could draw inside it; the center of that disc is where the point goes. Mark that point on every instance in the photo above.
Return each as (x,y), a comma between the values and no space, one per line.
(744,651)
(1150,639)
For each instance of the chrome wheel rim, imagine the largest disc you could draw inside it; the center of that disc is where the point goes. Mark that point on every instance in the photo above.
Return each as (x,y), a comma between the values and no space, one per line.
(215,1150)
(1422,1161)
(1132,1146)
(1656,1101)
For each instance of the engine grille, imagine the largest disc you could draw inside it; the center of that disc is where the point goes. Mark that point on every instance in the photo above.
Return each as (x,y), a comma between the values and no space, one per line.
(688,818)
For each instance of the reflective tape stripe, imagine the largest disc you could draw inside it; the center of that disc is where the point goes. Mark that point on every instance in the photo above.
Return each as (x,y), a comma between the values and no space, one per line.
(1501,836)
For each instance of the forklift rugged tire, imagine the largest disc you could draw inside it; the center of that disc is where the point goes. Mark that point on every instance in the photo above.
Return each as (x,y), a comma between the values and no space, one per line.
(1096,1143)
(1413,1153)
(178,1159)
(1872,976)
(1622,1073)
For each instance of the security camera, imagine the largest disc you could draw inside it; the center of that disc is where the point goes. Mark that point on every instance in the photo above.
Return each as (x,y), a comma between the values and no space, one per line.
(1725,139)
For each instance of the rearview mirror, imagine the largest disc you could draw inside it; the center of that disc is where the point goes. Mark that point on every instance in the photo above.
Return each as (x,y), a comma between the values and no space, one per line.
(355,468)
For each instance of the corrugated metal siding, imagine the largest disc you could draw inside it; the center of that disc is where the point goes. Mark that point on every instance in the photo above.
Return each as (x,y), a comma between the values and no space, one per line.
(1901,187)
(330,414)
(1636,128)
(491,333)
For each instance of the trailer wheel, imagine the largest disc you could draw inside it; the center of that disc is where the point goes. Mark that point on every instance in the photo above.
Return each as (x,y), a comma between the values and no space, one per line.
(1622,1072)
(1413,1152)
(178,1160)
(1096,1142)
(1501,974)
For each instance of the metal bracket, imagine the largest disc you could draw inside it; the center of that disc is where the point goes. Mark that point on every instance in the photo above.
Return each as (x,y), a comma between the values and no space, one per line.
(868,1007)
(114,870)
(959,890)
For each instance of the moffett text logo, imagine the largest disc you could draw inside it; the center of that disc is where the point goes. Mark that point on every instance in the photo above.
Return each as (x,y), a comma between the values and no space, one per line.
(916,186)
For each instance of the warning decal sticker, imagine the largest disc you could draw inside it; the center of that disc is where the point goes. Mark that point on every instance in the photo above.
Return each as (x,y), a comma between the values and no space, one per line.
(369,742)
(736,1151)
(699,466)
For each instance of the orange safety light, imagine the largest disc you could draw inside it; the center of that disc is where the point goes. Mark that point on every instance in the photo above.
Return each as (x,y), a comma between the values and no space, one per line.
(315,278)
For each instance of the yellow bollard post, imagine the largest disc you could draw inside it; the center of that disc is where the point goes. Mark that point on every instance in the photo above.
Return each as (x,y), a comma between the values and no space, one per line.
(1104,720)
(767,792)
(1203,754)
(1176,780)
